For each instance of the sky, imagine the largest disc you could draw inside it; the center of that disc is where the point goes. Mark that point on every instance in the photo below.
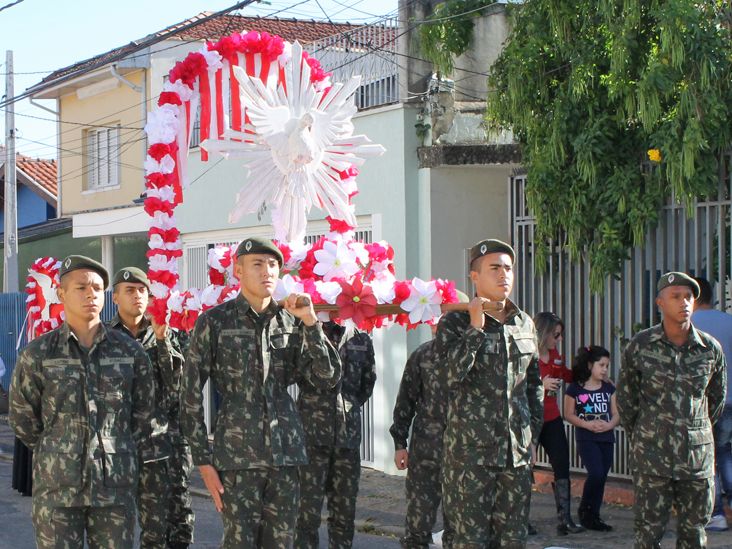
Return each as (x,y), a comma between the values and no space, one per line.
(46,35)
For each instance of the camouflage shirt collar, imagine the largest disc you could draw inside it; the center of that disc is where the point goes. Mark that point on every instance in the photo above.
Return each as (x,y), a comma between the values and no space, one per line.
(244,308)
(67,334)
(118,324)
(658,334)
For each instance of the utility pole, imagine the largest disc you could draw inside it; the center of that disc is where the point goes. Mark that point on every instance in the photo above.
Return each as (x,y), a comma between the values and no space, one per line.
(10,235)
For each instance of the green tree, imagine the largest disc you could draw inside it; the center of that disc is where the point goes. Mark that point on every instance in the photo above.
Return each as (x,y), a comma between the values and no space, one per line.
(589,87)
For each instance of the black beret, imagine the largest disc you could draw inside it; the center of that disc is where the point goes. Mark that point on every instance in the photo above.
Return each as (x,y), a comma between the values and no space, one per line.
(131,274)
(677,279)
(491,246)
(256,245)
(76,262)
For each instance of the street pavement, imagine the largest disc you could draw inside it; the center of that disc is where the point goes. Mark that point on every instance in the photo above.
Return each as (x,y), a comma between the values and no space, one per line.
(379,517)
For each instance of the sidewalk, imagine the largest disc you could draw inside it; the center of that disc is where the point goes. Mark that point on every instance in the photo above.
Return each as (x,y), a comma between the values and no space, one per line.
(381,506)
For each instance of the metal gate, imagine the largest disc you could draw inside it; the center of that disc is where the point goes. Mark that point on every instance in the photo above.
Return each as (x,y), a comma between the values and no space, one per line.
(698,244)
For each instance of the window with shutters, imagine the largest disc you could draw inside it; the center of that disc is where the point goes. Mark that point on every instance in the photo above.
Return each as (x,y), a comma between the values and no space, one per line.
(101,159)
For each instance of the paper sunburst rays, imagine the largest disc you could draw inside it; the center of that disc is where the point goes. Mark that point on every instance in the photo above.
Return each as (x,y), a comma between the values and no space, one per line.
(302,138)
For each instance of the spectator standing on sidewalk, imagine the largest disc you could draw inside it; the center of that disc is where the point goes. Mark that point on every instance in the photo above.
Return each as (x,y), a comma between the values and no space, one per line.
(671,390)
(422,405)
(553,372)
(719,325)
(590,405)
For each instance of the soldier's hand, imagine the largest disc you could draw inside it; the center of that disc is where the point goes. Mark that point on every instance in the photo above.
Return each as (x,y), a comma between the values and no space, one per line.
(401,459)
(161,330)
(475,307)
(306,313)
(213,483)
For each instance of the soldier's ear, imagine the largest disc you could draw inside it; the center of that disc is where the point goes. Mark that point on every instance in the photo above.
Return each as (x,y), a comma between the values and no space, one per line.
(60,293)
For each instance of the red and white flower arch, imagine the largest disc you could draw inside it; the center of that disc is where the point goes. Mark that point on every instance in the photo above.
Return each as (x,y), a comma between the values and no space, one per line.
(269,102)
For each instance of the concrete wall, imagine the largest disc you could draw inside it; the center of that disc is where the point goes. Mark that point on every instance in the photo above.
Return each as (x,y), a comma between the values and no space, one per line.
(468,203)
(489,33)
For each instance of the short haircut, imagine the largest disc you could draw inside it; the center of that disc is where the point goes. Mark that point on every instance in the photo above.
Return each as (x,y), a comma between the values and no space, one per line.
(705,291)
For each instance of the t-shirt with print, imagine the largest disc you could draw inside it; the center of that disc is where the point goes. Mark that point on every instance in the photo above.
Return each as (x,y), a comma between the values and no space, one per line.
(592,404)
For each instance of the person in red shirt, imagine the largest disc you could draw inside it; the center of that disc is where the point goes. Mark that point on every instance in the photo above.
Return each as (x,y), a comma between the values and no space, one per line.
(549,331)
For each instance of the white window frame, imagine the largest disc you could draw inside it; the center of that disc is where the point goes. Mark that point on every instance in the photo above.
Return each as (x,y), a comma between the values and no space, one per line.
(102,154)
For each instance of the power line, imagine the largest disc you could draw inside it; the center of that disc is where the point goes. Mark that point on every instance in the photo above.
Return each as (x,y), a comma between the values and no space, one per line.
(135,47)
(6,6)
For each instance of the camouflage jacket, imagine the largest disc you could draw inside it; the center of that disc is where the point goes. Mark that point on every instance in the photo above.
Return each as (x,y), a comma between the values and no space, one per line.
(251,359)
(668,398)
(496,400)
(422,397)
(82,415)
(332,417)
(167,366)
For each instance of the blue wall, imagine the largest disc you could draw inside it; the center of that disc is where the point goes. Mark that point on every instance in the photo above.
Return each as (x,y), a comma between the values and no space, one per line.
(32,209)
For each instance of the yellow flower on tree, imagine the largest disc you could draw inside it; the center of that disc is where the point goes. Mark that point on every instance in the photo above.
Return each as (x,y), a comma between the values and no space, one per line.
(654,155)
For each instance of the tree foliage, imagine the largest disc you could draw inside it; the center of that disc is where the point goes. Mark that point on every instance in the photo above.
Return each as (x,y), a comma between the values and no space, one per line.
(588,87)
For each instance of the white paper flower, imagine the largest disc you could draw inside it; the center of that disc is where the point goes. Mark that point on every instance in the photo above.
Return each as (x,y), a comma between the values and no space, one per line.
(423,303)
(210,295)
(165,193)
(298,250)
(184,92)
(285,286)
(216,256)
(329,291)
(175,301)
(166,164)
(162,124)
(163,221)
(335,260)
(159,290)
(383,289)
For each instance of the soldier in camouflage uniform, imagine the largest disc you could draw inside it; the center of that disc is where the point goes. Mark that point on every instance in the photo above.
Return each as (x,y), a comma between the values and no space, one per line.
(422,397)
(163,498)
(332,422)
(82,398)
(252,349)
(671,390)
(495,408)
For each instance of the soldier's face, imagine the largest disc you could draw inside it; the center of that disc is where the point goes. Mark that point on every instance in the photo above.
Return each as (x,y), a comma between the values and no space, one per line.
(676,303)
(82,293)
(493,278)
(131,298)
(257,274)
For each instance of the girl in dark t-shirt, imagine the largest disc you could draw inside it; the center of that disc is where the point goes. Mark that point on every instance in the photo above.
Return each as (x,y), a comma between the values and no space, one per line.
(589,405)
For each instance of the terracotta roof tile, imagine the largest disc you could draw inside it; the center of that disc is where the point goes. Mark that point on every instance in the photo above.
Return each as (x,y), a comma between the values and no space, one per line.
(41,171)
(289,29)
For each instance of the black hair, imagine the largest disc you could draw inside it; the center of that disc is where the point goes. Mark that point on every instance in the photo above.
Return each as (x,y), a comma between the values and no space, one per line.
(545,322)
(583,361)
(705,290)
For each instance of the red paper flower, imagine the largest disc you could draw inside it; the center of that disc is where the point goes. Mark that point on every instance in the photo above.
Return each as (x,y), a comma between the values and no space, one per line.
(308,264)
(402,290)
(187,70)
(158,309)
(170,235)
(169,98)
(447,290)
(356,301)
(153,204)
(339,225)
(158,179)
(158,151)
(166,278)
(169,254)
(215,277)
